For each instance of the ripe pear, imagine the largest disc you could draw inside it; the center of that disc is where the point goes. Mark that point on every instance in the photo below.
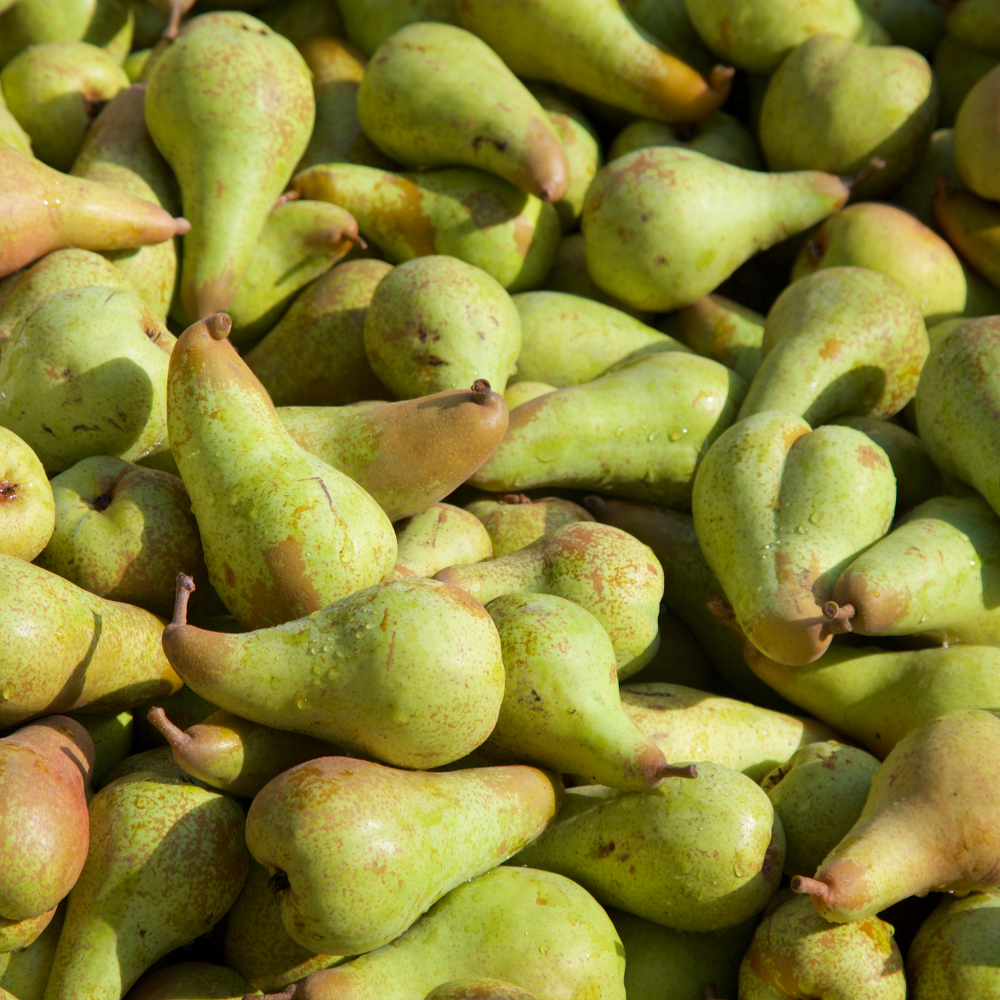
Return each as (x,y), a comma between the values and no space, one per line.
(191,981)
(28,969)
(972,226)
(604,570)
(777,541)
(420,110)
(929,823)
(812,117)
(652,242)
(409,454)
(111,733)
(638,432)
(106,23)
(456,211)
(719,135)
(842,341)
(231,164)
(16,935)
(154,840)
(368,23)
(515,521)
(27,509)
(977,137)
(440,536)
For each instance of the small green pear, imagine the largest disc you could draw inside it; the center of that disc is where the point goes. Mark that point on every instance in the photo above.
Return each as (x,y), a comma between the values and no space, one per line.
(719,135)
(368,23)
(440,536)
(515,521)
(27,509)
(105,23)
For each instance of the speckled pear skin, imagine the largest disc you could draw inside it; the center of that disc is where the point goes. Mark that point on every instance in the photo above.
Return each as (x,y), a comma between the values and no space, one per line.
(843,341)
(457,211)
(408,454)
(695,855)
(368,23)
(343,892)
(232,158)
(108,656)
(637,432)
(27,510)
(796,953)
(156,844)
(931,822)
(778,539)
(284,533)
(687,724)
(434,95)
(16,935)
(479,989)
(956,953)
(604,570)
(479,929)
(651,242)
(442,535)
(190,981)
(409,672)
(28,969)
(514,521)
(45,771)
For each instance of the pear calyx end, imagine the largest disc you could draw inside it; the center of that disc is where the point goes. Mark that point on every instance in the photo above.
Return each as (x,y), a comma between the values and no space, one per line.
(838,617)
(218,325)
(481,390)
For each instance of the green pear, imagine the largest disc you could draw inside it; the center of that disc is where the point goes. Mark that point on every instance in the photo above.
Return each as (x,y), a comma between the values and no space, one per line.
(665,226)
(514,521)
(106,23)
(154,840)
(137,63)
(927,824)
(431,86)
(369,23)
(314,355)
(27,509)
(954,954)
(833,105)
(16,935)
(818,794)
(604,570)
(719,135)
(45,769)
(382,690)
(440,536)
(523,392)
(975,22)
(842,341)
(85,374)
(918,24)
(300,20)
(916,193)
(687,724)
(436,831)
(561,706)
(696,855)
(668,22)
(977,137)
(184,707)
(111,733)
(11,132)
(480,929)
(638,432)
(680,658)
(27,970)
(437,323)
(469,214)
(479,989)
(958,67)
(777,541)
(796,953)
(567,339)
(159,762)
(409,454)
(284,533)
(190,981)
(231,164)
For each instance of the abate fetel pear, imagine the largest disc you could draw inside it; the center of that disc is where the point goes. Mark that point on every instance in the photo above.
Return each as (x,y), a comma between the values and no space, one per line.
(514,521)
(27,510)
(442,535)
(977,137)
(368,23)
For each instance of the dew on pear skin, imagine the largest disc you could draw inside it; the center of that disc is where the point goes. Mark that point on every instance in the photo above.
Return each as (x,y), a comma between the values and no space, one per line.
(619,432)
(301,701)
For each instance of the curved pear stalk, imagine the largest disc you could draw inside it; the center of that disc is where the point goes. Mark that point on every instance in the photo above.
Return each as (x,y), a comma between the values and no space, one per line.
(176,9)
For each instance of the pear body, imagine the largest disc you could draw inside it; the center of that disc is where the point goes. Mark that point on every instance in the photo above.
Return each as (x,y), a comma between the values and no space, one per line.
(440,536)
(105,23)
(972,226)
(719,135)
(977,137)
(958,67)
(514,521)
(479,989)
(112,736)
(524,392)
(369,23)
(975,22)
(190,981)
(11,132)
(27,510)
(569,273)
(28,969)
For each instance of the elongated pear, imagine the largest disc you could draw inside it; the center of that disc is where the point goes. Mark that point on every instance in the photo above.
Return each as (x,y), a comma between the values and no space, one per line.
(440,536)
(284,533)
(43,210)
(27,510)
(409,454)
(652,242)
(514,521)
(231,164)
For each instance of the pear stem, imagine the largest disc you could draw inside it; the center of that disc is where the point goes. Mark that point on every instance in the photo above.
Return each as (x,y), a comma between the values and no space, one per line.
(872,167)
(719,76)
(174,736)
(185,588)
(284,199)
(810,886)
(218,325)
(724,614)
(838,617)
(181,226)
(594,504)
(674,771)
(514,498)
(481,390)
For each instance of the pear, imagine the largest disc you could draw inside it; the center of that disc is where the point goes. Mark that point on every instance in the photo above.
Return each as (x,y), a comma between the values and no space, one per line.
(190,981)
(382,691)
(567,340)
(440,536)
(514,521)
(795,953)
(27,509)
(291,534)
(158,762)
(959,66)
(757,34)
(83,214)
(409,454)
(106,23)
(843,341)
(928,823)
(524,392)
(111,733)
(28,969)
(833,105)
(818,793)
(437,323)
(300,20)
(669,24)
(594,48)
(916,193)
(561,706)
(370,22)
(456,211)
(11,132)
(132,902)
(16,935)
(108,655)
(232,164)
(45,769)
(687,724)
(420,115)
(977,137)
(638,432)
(480,929)
(972,226)
(693,855)
(652,242)
(719,135)
(479,989)
(833,483)
(604,570)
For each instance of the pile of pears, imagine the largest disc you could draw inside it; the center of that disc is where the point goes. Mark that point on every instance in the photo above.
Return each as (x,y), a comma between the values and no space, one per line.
(500,499)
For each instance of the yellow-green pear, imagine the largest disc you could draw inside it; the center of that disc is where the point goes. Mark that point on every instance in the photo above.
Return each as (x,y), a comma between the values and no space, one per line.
(977,137)
(105,23)
(27,509)
(668,23)
(112,736)
(719,135)
(514,521)
(11,132)
(440,536)
(972,226)
(28,968)
(190,981)
(15,935)
(479,989)
(368,23)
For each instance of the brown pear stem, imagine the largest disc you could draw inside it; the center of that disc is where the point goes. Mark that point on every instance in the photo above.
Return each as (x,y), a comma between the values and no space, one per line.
(872,167)
(809,886)
(284,199)
(720,77)
(838,617)
(724,614)
(481,390)
(514,498)
(174,736)
(181,226)
(218,326)
(674,771)
(185,588)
